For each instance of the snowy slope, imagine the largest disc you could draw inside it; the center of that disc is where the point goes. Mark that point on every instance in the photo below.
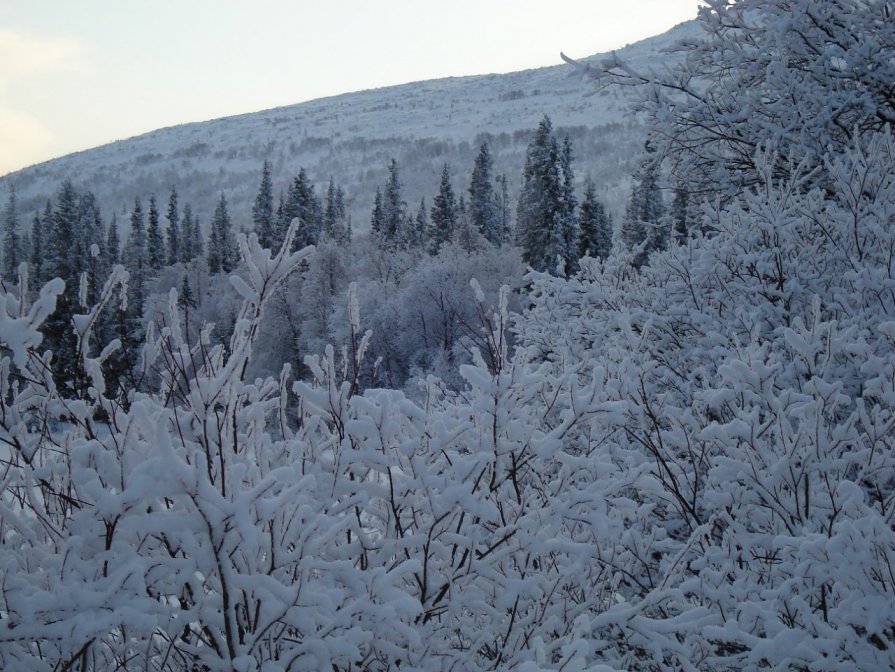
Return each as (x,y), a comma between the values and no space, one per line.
(352,137)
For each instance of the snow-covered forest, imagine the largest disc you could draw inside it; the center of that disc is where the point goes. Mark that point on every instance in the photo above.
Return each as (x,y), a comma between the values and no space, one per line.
(496,429)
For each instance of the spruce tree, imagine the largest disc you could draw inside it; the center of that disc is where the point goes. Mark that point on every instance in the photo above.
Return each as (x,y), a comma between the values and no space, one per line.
(504,214)
(643,229)
(421,226)
(444,213)
(113,242)
(155,244)
(394,210)
(222,253)
(186,299)
(187,246)
(544,220)
(12,244)
(135,248)
(302,203)
(62,260)
(595,226)
(40,228)
(173,232)
(466,234)
(482,199)
(197,241)
(335,221)
(568,222)
(280,223)
(92,246)
(262,210)
(377,217)
(680,215)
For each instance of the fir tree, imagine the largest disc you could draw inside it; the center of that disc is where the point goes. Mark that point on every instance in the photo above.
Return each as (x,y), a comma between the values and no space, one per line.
(135,249)
(568,222)
(63,253)
(91,246)
(12,244)
(482,198)
(444,213)
(377,217)
(222,253)
(280,223)
(40,229)
(643,229)
(187,246)
(197,241)
(595,226)
(155,244)
(186,299)
(504,215)
(335,221)
(394,210)
(62,260)
(545,224)
(680,215)
(113,242)
(174,234)
(466,233)
(262,210)
(302,203)
(421,226)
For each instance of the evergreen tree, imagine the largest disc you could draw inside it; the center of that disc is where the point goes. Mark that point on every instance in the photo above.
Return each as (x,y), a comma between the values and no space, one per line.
(444,213)
(40,229)
(213,259)
(545,225)
(302,202)
(62,260)
(394,210)
(280,223)
(680,215)
(63,253)
(113,242)
(187,247)
(466,233)
(595,226)
(262,210)
(377,217)
(504,216)
(644,229)
(186,299)
(12,244)
(568,222)
(92,246)
(421,226)
(222,253)
(174,234)
(197,241)
(483,209)
(155,244)
(335,221)
(130,316)
(135,249)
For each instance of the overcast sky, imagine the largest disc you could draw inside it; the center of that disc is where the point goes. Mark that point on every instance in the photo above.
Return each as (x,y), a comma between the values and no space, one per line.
(75,74)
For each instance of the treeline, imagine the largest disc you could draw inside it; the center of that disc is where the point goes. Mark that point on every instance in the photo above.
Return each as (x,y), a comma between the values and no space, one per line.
(551,230)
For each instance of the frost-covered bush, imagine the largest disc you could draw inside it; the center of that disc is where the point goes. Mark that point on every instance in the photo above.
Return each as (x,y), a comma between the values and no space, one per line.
(754,373)
(808,76)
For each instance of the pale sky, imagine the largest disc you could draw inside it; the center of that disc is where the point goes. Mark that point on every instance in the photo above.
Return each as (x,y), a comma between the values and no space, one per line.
(75,74)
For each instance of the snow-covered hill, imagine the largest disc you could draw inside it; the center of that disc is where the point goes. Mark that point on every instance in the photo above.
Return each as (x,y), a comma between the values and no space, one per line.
(353,136)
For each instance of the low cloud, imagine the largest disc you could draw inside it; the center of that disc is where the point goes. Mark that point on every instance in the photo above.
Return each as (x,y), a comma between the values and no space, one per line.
(35,60)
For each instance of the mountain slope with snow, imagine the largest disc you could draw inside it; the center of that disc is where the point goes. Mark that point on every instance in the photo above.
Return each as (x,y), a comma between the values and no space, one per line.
(353,136)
